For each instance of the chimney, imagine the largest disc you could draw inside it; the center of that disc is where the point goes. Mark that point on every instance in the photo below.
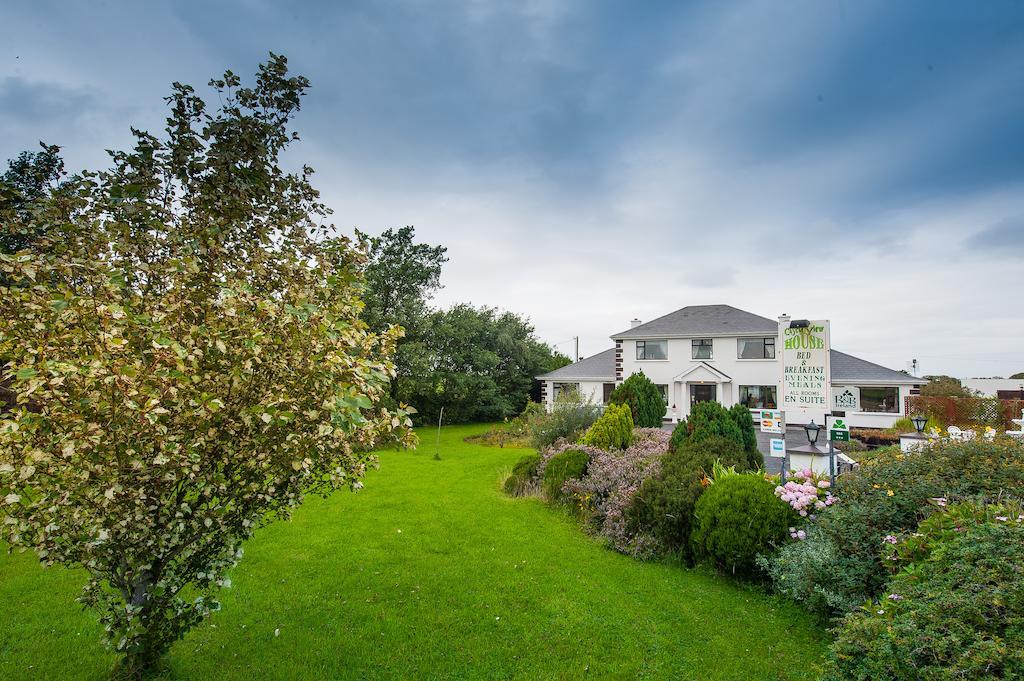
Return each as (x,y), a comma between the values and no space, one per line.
(635,323)
(784,320)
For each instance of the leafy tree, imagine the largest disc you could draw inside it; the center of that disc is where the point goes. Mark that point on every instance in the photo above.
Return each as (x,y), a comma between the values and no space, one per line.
(745,422)
(644,398)
(400,276)
(476,363)
(193,347)
(1018,375)
(945,386)
(28,179)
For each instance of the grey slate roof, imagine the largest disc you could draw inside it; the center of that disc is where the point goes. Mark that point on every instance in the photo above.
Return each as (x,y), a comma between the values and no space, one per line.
(600,366)
(696,320)
(845,369)
(853,369)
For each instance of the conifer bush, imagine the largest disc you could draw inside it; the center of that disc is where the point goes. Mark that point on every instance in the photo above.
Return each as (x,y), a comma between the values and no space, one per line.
(644,398)
(663,506)
(614,430)
(737,518)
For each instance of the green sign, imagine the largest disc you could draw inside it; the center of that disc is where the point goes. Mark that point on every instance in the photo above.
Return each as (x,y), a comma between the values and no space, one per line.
(839,431)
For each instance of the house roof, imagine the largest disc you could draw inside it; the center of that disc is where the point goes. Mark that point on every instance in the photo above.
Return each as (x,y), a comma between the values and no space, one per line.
(856,370)
(845,369)
(599,367)
(703,320)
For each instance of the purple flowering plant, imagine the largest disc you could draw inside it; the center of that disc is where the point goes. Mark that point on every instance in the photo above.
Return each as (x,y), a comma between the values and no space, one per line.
(610,483)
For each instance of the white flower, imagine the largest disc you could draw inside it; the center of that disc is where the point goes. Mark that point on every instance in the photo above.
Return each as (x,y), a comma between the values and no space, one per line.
(11,498)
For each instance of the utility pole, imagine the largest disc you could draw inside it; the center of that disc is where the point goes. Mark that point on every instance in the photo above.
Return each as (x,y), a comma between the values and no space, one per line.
(577,357)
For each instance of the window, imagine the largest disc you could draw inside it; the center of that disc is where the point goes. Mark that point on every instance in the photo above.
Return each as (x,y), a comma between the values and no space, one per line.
(701,348)
(885,400)
(755,348)
(606,395)
(652,349)
(565,390)
(758,396)
(664,392)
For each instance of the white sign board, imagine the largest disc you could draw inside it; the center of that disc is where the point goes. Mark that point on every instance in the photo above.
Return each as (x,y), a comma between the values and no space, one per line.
(777,448)
(806,369)
(771,421)
(846,398)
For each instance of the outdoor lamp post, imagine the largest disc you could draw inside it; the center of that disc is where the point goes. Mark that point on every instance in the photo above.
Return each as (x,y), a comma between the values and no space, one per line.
(812,429)
(919,423)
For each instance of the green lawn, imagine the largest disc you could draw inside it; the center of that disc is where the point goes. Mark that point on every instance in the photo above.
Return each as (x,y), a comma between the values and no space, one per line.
(431,572)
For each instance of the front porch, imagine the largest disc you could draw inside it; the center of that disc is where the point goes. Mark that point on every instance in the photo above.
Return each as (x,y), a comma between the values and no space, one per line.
(699,383)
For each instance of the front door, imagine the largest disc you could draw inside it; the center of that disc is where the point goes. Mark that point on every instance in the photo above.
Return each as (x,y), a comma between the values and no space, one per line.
(702,393)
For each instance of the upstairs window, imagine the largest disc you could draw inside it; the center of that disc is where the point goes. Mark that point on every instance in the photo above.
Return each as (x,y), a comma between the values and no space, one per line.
(652,349)
(701,348)
(755,348)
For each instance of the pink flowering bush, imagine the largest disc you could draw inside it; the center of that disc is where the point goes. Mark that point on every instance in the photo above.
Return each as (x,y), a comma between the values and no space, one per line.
(610,483)
(807,492)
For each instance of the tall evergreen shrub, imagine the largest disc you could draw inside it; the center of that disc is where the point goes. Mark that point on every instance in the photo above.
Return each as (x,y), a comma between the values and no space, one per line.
(644,399)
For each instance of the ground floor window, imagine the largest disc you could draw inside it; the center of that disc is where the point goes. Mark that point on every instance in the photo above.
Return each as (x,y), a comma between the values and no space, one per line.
(758,396)
(664,392)
(606,393)
(885,400)
(565,389)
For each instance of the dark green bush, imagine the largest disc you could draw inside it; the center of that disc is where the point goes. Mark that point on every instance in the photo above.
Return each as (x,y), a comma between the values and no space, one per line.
(523,474)
(956,612)
(737,518)
(663,506)
(745,422)
(567,465)
(707,420)
(644,399)
(839,565)
(614,430)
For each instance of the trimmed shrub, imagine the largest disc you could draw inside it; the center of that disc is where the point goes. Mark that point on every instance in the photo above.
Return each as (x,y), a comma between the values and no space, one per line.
(567,465)
(737,518)
(644,399)
(523,474)
(955,610)
(708,419)
(614,430)
(570,416)
(663,506)
(889,493)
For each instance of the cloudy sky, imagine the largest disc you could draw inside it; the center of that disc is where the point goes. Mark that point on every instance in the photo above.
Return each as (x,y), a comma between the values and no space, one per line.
(587,162)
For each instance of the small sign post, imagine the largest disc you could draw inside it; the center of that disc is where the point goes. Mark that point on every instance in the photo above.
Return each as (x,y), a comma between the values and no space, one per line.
(777,448)
(771,422)
(839,431)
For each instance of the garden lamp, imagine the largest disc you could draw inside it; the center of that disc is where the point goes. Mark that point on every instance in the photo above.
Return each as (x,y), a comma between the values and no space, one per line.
(812,430)
(919,423)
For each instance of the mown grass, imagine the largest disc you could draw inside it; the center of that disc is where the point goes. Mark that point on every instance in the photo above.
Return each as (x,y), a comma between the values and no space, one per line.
(431,572)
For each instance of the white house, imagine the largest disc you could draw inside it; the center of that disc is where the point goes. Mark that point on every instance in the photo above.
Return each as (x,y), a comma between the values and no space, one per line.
(717,352)
(1003,388)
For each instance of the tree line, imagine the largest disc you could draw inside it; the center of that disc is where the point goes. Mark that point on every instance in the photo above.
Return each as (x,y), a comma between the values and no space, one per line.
(474,363)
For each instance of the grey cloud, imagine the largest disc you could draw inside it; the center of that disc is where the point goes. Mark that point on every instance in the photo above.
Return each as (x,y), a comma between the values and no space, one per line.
(1006,235)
